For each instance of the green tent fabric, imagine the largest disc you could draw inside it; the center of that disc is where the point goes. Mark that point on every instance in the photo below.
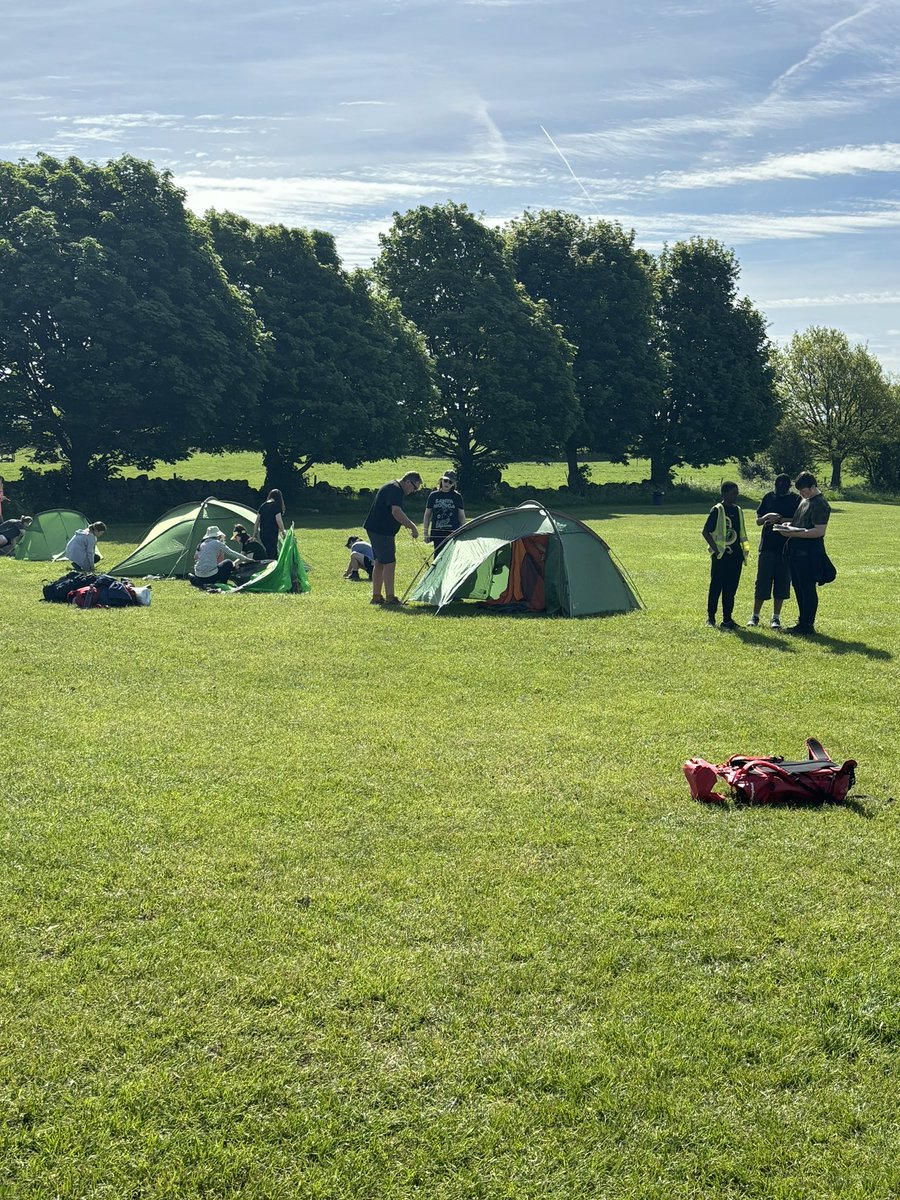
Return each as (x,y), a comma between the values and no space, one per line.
(48,534)
(580,576)
(286,574)
(167,548)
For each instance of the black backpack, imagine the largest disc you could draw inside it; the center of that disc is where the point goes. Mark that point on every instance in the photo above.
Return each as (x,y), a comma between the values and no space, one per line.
(59,591)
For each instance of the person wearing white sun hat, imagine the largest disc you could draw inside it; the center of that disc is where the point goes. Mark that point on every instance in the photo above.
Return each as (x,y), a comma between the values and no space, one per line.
(213,560)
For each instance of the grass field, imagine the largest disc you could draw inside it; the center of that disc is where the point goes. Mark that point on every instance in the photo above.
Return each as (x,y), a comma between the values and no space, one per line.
(249,466)
(302,898)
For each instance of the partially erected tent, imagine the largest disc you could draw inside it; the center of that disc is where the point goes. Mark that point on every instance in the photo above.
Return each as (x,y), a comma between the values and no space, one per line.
(48,534)
(287,573)
(167,548)
(528,558)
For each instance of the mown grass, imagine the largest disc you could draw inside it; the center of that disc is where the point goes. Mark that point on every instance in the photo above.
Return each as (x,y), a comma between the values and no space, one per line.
(246,465)
(302,898)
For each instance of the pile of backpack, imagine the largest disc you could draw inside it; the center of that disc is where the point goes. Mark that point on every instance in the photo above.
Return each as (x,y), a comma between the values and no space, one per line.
(95,591)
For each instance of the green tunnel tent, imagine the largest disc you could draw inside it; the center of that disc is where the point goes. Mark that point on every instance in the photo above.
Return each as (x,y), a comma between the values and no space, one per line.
(528,557)
(168,546)
(286,574)
(48,534)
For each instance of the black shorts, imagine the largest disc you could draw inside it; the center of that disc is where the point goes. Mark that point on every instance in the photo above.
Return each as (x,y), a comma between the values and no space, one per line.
(384,547)
(773,576)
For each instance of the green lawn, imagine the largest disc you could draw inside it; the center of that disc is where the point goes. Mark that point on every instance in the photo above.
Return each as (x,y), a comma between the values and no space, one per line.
(302,898)
(371,475)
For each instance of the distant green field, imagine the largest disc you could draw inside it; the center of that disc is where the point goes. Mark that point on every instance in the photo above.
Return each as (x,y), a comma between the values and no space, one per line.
(371,475)
(303,898)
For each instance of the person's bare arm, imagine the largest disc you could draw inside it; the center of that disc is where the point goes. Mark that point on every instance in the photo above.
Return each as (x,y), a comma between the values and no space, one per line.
(399,515)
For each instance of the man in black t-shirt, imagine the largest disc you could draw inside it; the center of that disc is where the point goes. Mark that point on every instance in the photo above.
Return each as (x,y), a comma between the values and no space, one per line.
(773,571)
(806,550)
(382,525)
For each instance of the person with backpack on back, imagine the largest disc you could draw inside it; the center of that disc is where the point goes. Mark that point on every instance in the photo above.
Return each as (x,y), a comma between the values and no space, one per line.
(773,571)
(806,550)
(726,536)
(81,548)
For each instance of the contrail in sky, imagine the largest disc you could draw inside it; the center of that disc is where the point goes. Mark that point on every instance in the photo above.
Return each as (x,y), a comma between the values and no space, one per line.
(571,172)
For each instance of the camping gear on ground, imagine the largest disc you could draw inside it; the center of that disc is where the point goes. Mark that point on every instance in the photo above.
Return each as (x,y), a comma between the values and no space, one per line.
(59,591)
(47,536)
(286,573)
(167,548)
(767,780)
(528,558)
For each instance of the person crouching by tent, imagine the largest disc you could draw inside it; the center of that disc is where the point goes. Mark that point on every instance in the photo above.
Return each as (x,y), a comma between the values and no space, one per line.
(214,562)
(270,522)
(382,525)
(444,513)
(81,548)
(11,533)
(726,536)
(361,558)
(249,545)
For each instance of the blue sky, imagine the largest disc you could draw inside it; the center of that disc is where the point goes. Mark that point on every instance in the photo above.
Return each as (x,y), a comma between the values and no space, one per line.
(772,126)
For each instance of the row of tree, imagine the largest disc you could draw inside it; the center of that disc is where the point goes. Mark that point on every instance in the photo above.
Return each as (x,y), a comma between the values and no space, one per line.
(132,333)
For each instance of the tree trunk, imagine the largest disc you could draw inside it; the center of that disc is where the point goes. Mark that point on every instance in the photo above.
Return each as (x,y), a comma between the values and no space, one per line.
(836,464)
(574,478)
(280,471)
(660,470)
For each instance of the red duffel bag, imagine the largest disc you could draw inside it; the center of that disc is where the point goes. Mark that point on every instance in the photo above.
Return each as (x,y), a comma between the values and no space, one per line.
(765,780)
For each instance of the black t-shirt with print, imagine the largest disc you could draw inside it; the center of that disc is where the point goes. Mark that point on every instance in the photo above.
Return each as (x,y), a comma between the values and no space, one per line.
(445,509)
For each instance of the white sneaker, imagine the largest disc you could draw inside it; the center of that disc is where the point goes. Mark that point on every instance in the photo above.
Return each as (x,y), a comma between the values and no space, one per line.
(754,620)
(776,623)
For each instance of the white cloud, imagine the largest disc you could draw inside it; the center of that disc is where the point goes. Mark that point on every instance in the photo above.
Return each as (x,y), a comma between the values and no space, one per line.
(839,160)
(835,299)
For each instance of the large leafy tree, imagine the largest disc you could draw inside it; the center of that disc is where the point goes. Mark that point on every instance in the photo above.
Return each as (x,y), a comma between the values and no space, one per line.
(502,368)
(836,395)
(347,378)
(121,340)
(719,399)
(599,288)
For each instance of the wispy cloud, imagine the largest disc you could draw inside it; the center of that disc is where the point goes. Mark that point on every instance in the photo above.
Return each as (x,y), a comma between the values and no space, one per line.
(839,160)
(833,300)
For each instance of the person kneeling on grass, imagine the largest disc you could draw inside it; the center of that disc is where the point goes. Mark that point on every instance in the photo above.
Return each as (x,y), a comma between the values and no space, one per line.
(11,533)
(214,561)
(361,558)
(81,548)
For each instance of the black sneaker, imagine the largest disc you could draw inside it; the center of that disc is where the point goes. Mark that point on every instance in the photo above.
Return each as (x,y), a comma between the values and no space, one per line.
(710,623)
(729,624)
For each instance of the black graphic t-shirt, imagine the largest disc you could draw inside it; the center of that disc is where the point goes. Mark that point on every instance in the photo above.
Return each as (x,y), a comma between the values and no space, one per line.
(445,509)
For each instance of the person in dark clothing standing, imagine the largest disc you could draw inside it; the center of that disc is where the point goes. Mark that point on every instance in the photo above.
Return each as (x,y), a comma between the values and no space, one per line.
(270,522)
(773,571)
(806,550)
(726,536)
(382,525)
(444,513)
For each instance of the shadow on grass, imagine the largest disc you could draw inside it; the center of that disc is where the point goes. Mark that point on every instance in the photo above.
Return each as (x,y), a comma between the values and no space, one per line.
(476,608)
(779,640)
(865,807)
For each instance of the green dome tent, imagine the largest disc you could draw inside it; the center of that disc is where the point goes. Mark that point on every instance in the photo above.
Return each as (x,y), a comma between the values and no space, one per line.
(286,574)
(168,547)
(528,557)
(48,534)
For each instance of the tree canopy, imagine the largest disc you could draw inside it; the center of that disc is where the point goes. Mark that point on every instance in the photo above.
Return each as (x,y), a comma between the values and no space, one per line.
(502,368)
(121,340)
(836,395)
(599,288)
(346,377)
(719,399)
